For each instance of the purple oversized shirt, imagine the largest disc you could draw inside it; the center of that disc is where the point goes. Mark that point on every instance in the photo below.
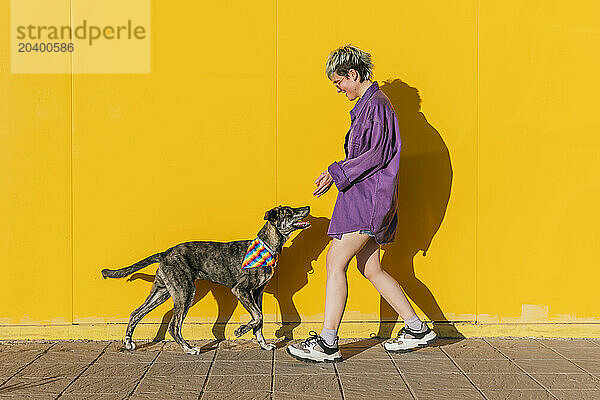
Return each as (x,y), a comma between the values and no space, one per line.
(367,179)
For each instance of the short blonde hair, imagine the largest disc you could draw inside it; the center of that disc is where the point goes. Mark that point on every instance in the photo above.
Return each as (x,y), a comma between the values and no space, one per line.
(348,57)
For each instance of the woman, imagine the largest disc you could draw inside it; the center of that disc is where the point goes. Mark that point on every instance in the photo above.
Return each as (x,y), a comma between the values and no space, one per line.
(365,212)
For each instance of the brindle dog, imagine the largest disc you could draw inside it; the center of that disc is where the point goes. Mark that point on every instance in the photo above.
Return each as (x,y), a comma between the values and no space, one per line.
(216,262)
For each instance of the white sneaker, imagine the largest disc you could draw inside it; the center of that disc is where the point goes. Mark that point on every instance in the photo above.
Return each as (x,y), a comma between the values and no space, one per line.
(408,340)
(314,349)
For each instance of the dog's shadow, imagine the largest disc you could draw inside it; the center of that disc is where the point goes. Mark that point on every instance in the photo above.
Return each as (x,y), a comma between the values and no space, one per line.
(291,275)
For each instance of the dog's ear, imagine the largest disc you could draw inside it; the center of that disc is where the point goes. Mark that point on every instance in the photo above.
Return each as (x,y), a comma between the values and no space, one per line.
(271,215)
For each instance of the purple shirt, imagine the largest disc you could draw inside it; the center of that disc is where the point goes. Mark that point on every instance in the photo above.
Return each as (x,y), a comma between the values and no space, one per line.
(367,179)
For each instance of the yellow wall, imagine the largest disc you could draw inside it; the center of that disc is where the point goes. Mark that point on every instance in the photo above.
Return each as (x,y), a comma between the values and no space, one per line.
(498,178)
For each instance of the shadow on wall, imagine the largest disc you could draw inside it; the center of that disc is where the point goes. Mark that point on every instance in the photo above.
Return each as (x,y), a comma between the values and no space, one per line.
(290,276)
(424,183)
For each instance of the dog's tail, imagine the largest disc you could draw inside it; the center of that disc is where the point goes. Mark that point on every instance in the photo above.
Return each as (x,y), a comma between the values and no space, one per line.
(123,272)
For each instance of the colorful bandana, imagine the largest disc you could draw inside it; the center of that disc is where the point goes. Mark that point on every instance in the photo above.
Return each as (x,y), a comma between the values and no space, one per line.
(258,255)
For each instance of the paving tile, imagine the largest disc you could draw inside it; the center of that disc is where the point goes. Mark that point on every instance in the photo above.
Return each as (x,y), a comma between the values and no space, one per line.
(44,369)
(306,383)
(450,341)
(576,394)
(17,347)
(524,394)
(470,342)
(514,343)
(28,397)
(562,343)
(313,395)
(298,367)
(240,344)
(465,351)
(426,353)
(567,381)
(95,396)
(141,345)
(548,366)
(426,366)
(503,381)
(368,393)
(487,366)
(592,366)
(99,370)
(282,354)
(448,394)
(68,357)
(18,358)
(203,345)
(429,371)
(438,381)
(241,368)
(186,368)
(375,383)
(364,353)
(180,356)
(18,386)
(240,355)
(248,383)
(367,367)
(114,384)
(531,354)
(236,396)
(8,370)
(580,353)
(126,357)
(80,346)
(161,396)
(156,384)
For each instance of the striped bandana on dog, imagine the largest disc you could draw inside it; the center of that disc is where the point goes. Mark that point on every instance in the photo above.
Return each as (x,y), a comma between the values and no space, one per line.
(258,255)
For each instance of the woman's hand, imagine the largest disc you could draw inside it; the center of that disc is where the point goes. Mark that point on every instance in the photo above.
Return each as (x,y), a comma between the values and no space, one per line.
(323,183)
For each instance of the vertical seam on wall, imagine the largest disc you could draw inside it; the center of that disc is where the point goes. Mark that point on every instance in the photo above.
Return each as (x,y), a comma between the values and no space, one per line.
(277,309)
(71,172)
(477,162)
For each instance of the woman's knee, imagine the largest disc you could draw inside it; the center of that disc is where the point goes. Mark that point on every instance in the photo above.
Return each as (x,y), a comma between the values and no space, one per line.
(335,265)
(371,271)
(335,268)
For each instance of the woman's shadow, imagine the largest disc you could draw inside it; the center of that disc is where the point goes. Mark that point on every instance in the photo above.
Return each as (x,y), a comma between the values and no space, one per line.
(424,183)
(291,275)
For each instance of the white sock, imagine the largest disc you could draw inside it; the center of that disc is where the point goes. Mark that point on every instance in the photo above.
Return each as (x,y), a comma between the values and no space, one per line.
(415,324)
(329,335)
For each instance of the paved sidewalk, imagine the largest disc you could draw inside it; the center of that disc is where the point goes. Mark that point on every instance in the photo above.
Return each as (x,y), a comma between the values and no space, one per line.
(452,369)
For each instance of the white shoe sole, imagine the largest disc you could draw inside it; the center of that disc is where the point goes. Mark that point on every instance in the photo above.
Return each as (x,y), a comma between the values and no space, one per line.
(314,357)
(410,344)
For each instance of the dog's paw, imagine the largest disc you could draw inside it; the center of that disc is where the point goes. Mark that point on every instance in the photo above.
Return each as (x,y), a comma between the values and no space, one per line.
(268,346)
(193,351)
(129,344)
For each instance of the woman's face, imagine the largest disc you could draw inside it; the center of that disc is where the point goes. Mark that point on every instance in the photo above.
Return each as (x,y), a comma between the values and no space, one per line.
(347,84)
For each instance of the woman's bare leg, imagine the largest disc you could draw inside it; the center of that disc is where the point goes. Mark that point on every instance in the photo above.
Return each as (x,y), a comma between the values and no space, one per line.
(368,263)
(339,255)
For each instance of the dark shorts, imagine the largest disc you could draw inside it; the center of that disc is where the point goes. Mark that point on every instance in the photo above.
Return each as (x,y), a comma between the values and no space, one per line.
(366,232)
